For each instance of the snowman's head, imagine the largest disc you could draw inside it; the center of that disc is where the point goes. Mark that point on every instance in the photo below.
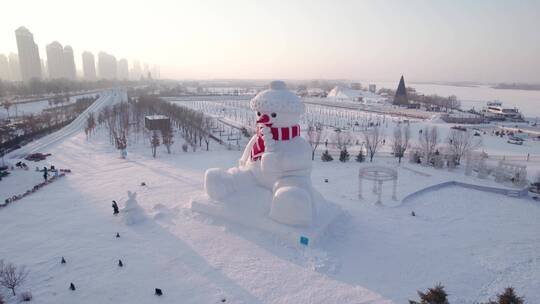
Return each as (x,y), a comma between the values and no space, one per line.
(277,106)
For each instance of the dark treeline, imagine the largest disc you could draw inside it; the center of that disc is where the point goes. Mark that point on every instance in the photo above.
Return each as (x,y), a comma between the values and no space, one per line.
(37,87)
(517,86)
(30,127)
(445,103)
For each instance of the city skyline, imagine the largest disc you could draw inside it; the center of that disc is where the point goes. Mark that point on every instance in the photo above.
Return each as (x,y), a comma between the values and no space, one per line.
(58,62)
(484,41)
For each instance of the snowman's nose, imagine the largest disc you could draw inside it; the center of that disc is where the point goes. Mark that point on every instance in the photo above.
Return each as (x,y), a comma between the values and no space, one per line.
(263,119)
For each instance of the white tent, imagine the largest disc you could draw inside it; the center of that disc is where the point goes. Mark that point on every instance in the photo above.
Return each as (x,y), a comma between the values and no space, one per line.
(340,93)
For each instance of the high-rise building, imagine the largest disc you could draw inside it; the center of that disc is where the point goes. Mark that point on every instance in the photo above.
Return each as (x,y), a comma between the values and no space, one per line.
(123,69)
(55,60)
(107,66)
(4,67)
(29,61)
(356,86)
(44,72)
(136,70)
(70,71)
(14,67)
(146,70)
(401,94)
(89,66)
(156,72)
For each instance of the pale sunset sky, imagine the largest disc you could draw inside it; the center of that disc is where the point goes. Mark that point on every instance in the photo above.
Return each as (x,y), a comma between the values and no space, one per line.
(454,40)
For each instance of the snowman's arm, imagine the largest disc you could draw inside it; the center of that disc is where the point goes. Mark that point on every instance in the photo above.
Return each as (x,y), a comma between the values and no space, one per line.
(247,151)
(298,158)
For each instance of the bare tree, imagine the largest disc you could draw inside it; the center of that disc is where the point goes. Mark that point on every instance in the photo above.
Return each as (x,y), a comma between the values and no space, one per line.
(453,103)
(428,141)
(90,125)
(373,139)
(462,142)
(6,104)
(342,139)
(206,130)
(12,276)
(400,141)
(314,134)
(167,137)
(154,143)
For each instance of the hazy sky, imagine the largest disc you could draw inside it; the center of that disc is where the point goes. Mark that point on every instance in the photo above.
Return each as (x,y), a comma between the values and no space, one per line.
(480,40)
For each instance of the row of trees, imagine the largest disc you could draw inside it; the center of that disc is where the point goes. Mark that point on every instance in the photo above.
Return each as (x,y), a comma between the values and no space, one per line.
(194,126)
(437,295)
(30,126)
(445,103)
(52,86)
(458,143)
(121,119)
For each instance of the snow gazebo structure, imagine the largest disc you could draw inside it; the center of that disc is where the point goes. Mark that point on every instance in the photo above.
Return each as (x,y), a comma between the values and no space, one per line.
(378,175)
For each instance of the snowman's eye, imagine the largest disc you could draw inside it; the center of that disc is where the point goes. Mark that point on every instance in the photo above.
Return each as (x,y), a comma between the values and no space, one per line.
(258,113)
(273,115)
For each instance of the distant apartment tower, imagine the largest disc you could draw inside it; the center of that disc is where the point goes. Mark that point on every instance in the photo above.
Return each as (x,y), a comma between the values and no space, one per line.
(136,70)
(107,66)
(401,94)
(373,88)
(70,71)
(14,68)
(356,86)
(55,60)
(4,67)
(146,71)
(156,72)
(123,69)
(44,72)
(89,66)
(29,61)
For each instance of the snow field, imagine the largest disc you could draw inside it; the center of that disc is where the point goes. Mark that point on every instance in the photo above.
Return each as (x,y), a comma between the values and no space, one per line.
(475,243)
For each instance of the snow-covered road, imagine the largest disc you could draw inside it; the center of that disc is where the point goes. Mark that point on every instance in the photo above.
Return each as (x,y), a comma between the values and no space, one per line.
(106,98)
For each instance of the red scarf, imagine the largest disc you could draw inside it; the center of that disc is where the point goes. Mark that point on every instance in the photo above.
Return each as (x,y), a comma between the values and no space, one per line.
(286,133)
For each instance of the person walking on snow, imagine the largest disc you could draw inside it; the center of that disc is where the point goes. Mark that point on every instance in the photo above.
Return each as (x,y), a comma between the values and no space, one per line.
(115,207)
(45,173)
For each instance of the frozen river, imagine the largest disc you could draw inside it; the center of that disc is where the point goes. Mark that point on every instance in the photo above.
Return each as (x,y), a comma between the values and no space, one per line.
(528,102)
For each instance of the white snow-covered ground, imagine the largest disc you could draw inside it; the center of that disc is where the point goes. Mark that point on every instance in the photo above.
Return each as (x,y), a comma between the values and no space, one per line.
(475,243)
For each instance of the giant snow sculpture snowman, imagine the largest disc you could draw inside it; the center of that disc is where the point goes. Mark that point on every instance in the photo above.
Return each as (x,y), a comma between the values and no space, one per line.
(276,159)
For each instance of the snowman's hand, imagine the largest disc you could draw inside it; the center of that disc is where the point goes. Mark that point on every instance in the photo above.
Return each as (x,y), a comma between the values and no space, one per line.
(270,162)
(269,142)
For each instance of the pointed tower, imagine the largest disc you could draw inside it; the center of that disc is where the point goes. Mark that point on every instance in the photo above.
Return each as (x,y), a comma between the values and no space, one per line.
(401,93)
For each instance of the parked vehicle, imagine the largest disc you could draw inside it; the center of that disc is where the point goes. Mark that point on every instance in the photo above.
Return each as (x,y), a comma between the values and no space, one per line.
(515,140)
(37,157)
(535,188)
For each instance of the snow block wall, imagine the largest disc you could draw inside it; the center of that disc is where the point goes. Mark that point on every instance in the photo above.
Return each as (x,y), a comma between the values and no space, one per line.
(503,191)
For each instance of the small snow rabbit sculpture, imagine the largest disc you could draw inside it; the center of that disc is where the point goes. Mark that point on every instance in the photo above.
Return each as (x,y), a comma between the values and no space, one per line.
(132,212)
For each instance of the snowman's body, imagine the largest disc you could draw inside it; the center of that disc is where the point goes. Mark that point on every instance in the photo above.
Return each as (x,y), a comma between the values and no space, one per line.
(276,159)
